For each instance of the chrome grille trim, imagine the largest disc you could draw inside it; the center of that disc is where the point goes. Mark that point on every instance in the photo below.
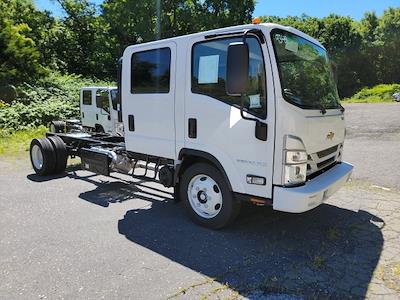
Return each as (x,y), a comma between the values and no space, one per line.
(328,151)
(322,159)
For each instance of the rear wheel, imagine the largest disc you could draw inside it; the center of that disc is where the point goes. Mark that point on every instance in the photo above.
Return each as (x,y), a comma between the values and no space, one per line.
(61,153)
(207,197)
(43,156)
(57,126)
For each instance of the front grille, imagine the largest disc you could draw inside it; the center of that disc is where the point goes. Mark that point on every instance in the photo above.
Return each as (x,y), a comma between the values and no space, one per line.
(326,152)
(321,160)
(326,162)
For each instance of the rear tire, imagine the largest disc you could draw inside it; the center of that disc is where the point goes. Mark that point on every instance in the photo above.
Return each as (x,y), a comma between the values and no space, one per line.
(43,156)
(207,197)
(61,153)
(57,127)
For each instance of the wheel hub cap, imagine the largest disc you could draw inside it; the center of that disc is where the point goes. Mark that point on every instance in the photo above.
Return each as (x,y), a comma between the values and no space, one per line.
(37,157)
(205,196)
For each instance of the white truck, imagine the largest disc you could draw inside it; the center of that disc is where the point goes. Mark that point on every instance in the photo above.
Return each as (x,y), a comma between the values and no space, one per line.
(245,113)
(98,112)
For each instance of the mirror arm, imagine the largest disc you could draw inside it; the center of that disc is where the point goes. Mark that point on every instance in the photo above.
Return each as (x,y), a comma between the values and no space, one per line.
(244,95)
(241,109)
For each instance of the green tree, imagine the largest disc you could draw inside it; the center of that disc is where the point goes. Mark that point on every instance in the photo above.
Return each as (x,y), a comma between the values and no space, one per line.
(388,43)
(19,56)
(85,44)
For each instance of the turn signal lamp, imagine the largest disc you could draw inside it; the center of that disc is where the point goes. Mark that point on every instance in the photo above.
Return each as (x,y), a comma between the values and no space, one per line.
(256,20)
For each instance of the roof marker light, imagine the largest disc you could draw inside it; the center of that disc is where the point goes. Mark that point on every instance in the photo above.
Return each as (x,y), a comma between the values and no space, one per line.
(256,20)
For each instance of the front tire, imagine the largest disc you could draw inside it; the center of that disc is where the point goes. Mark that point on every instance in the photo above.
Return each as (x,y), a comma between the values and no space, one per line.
(207,197)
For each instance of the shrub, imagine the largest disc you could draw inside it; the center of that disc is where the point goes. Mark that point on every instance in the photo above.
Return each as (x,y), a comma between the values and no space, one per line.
(52,98)
(378,93)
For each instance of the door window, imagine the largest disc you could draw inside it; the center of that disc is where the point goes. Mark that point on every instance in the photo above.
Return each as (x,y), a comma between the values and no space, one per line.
(150,72)
(102,100)
(209,74)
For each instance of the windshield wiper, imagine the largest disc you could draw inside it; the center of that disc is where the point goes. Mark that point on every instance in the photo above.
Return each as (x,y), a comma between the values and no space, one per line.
(342,109)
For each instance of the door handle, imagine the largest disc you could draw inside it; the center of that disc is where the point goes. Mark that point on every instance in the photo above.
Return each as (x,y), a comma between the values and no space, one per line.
(83,115)
(131,122)
(97,116)
(192,130)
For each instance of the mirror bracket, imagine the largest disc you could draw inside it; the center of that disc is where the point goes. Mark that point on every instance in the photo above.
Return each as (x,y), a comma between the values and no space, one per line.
(261,131)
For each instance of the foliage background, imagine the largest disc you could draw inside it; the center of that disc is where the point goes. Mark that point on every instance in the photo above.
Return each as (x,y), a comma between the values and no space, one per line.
(47,59)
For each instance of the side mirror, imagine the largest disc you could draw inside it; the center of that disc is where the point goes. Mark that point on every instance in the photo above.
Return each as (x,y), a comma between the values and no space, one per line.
(237,73)
(119,77)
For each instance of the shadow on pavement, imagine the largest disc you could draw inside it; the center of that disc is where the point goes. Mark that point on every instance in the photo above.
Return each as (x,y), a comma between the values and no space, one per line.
(37,178)
(328,252)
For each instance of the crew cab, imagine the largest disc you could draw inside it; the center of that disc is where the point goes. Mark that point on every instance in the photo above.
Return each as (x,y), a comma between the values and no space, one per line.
(245,113)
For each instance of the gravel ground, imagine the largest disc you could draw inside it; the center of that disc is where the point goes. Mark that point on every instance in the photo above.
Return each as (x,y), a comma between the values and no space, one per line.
(82,236)
(373,142)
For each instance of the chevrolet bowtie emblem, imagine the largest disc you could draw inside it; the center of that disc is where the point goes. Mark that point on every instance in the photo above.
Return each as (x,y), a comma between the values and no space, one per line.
(330,135)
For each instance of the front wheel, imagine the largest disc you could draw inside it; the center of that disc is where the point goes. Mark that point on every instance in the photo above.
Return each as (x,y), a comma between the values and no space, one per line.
(207,197)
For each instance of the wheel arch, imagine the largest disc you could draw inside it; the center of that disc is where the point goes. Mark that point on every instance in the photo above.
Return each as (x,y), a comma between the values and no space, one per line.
(191,156)
(98,127)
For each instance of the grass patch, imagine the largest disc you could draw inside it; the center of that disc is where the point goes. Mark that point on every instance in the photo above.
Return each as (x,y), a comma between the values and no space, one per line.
(377,94)
(13,143)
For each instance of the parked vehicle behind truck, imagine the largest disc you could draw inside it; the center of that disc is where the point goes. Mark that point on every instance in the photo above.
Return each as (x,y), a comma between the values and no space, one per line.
(98,113)
(245,113)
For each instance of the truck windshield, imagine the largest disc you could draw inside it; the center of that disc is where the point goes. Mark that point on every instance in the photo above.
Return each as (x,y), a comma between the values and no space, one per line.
(305,72)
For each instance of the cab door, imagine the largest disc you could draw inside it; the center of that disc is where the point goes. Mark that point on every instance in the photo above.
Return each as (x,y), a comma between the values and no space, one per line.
(88,107)
(220,129)
(148,93)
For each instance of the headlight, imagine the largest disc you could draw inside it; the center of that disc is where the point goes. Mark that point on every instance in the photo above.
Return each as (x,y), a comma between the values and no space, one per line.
(296,157)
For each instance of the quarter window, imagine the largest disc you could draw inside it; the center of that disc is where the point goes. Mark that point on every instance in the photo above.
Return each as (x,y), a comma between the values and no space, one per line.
(151,71)
(209,74)
(87,98)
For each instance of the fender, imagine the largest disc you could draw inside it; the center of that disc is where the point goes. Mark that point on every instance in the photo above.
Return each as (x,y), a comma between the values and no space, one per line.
(206,156)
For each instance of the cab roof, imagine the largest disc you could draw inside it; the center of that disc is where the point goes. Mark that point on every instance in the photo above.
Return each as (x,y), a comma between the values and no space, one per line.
(234,29)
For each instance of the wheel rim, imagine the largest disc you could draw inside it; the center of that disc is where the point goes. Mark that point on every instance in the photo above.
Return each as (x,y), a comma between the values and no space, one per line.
(205,196)
(37,157)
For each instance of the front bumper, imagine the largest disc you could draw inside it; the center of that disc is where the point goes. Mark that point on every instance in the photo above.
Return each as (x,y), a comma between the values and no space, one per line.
(313,192)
